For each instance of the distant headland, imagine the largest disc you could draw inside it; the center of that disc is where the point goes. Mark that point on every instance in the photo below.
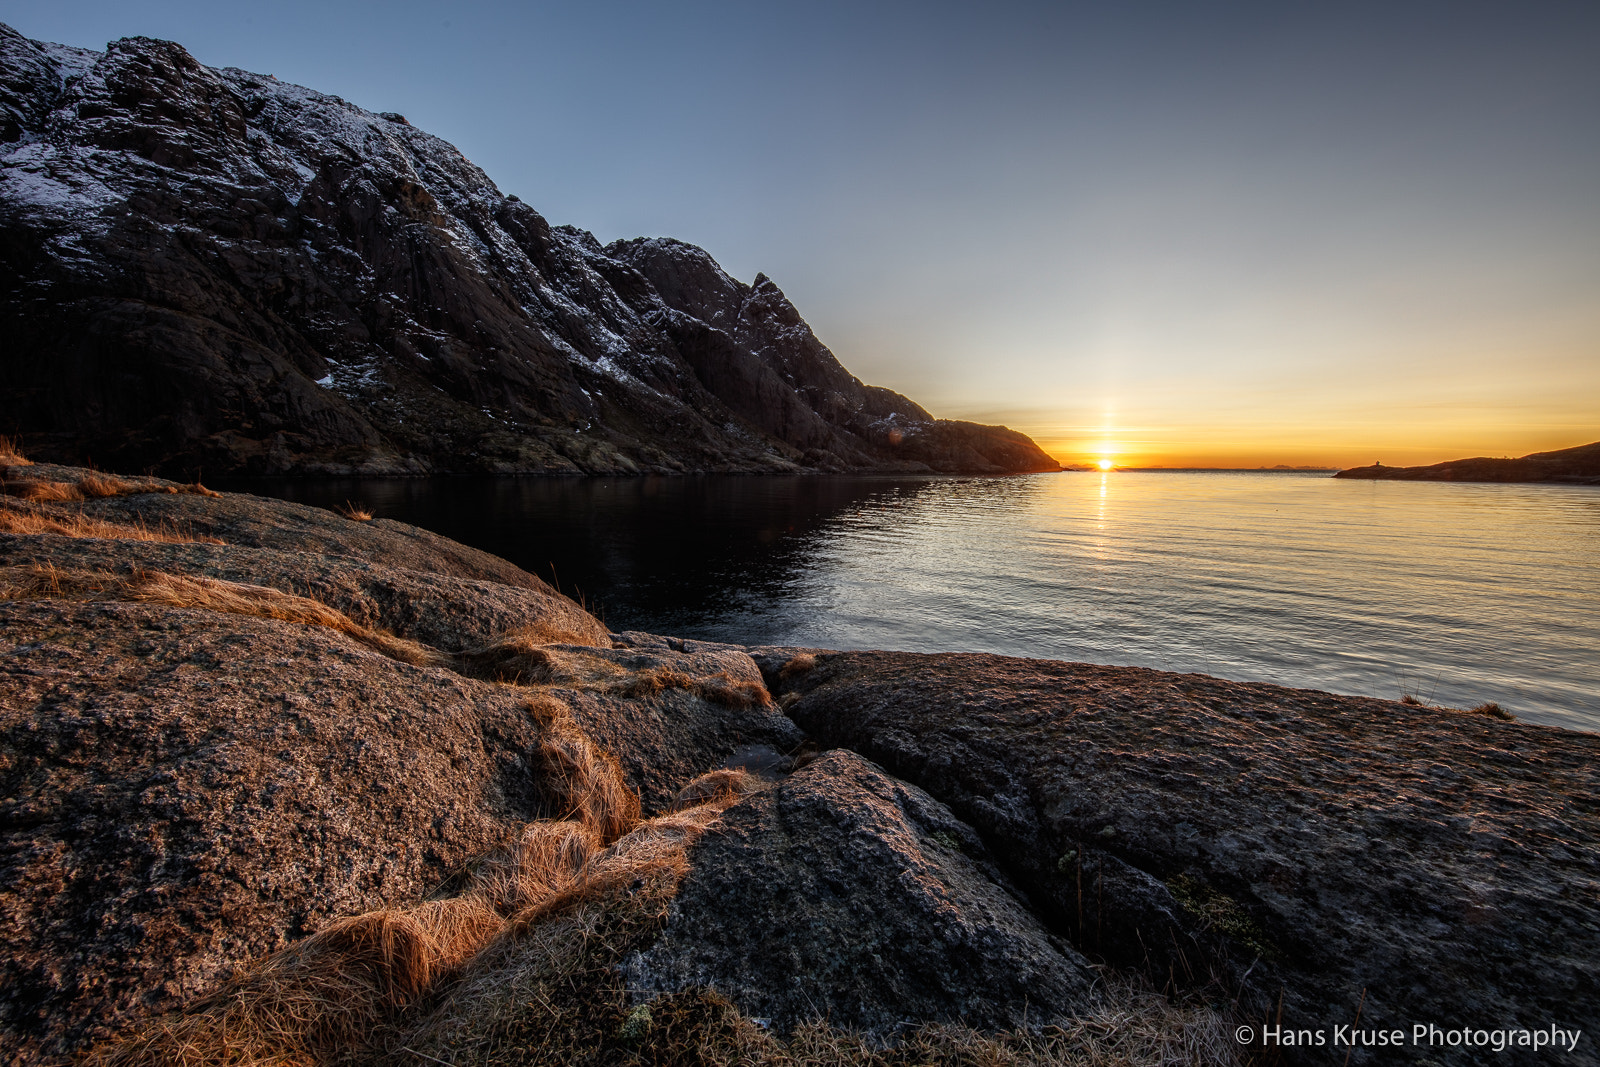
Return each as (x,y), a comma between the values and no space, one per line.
(1580,465)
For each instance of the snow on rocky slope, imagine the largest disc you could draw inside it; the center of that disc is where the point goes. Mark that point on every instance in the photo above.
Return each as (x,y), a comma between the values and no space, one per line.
(211,268)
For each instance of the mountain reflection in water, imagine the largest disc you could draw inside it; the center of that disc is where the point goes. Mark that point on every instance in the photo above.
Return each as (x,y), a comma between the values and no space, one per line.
(1455,593)
(663,554)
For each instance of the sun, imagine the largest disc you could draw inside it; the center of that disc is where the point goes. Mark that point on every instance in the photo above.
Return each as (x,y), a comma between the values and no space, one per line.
(1105,464)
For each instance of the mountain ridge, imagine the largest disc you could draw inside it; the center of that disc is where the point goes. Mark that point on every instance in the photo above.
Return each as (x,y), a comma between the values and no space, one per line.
(204,268)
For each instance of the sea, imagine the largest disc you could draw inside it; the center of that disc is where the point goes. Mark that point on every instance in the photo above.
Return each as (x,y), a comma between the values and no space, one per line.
(1453,594)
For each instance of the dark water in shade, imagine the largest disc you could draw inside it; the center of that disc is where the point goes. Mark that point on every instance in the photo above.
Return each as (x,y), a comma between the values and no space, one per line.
(1456,593)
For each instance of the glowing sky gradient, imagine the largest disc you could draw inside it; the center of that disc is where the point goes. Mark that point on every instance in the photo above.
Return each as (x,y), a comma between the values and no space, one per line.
(1213,234)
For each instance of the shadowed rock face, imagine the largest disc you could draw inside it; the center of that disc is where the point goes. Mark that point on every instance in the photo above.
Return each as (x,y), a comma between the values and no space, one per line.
(205,268)
(1443,862)
(843,894)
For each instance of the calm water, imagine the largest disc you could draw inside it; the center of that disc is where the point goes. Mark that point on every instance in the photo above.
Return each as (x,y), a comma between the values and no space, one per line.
(1456,593)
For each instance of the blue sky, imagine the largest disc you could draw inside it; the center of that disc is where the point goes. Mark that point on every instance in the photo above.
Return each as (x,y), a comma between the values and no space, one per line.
(1171,232)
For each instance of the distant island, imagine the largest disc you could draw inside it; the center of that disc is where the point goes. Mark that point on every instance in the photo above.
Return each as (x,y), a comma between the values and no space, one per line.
(1580,465)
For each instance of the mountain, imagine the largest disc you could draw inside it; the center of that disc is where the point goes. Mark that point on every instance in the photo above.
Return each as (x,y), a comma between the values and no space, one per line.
(207,268)
(1580,465)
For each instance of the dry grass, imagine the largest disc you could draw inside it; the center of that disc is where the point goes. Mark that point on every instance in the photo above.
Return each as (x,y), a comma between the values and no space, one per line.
(585,776)
(798,664)
(211,594)
(1494,711)
(92,485)
(73,524)
(205,594)
(523,658)
(517,658)
(720,688)
(37,517)
(11,453)
(43,492)
(348,992)
(727,783)
(522,967)
(354,512)
(1488,708)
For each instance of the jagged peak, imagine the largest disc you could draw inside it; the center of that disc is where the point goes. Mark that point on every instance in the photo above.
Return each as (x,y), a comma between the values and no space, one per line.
(673,250)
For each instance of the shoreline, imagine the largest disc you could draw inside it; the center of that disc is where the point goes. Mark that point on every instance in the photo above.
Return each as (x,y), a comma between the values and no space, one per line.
(350,712)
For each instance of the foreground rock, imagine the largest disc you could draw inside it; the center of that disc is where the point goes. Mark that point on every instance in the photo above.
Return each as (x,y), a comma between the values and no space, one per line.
(186,791)
(1574,466)
(242,734)
(189,788)
(1418,865)
(211,269)
(846,895)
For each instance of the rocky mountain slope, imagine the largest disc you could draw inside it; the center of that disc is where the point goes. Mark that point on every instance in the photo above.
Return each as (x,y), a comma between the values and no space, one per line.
(1579,466)
(278,785)
(213,269)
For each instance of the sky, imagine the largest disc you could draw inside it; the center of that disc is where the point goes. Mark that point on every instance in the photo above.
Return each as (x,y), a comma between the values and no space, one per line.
(1220,234)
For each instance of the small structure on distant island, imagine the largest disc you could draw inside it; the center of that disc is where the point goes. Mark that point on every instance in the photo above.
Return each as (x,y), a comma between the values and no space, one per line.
(1576,466)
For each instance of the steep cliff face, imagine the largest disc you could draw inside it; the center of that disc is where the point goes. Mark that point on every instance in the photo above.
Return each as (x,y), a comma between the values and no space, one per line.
(211,268)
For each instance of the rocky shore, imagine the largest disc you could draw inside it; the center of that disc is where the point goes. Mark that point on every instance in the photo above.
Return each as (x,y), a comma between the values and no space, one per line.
(287,786)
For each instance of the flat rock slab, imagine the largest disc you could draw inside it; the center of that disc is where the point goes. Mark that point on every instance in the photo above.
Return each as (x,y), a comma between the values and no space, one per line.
(840,893)
(257,522)
(450,613)
(182,792)
(1445,863)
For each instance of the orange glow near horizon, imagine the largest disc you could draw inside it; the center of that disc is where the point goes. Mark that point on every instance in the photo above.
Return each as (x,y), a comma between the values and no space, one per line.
(1193,446)
(1350,420)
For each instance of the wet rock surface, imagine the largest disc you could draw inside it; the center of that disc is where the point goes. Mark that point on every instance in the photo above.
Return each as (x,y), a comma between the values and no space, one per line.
(841,893)
(207,269)
(1422,865)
